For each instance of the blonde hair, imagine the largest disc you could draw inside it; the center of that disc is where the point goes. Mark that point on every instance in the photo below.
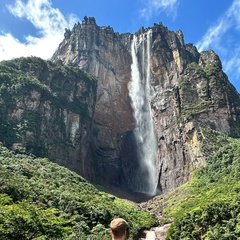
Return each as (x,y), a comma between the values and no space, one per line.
(118,227)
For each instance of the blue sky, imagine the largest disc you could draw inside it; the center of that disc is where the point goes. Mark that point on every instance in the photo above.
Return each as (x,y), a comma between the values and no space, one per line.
(36,27)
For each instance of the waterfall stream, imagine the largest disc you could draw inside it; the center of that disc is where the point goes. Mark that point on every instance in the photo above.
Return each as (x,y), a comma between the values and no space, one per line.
(139,91)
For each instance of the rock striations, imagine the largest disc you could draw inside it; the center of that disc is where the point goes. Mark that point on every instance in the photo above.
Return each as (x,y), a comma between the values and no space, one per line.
(47,109)
(183,92)
(189,91)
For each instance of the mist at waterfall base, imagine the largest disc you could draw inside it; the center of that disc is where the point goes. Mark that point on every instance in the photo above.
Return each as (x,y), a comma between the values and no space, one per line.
(145,174)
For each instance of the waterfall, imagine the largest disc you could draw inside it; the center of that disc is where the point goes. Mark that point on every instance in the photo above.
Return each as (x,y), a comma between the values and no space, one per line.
(139,92)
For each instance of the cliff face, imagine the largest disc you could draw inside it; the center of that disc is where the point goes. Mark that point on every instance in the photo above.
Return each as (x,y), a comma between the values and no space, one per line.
(187,91)
(139,126)
(104,54)
(47,109)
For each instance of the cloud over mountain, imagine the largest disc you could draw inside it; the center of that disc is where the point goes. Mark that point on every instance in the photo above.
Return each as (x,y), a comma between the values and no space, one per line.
(49,23)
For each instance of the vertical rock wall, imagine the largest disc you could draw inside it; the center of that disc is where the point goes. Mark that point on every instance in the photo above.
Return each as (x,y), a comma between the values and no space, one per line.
(47,109)
(189,91)
(106,55)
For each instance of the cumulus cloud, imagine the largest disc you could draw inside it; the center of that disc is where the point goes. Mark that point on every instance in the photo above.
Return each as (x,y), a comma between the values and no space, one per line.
(153,7)
(50,25)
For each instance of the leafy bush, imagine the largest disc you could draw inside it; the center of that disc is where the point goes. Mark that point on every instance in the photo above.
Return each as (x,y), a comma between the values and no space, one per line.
(41,200)
(211,206)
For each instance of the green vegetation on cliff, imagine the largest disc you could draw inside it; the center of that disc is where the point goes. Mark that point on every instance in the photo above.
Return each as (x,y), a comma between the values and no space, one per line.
(31,89)
(208,206)
(41,200)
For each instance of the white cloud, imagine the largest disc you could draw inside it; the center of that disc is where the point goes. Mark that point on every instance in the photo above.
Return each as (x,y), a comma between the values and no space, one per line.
(153,7)
(214,34)
(223,37)
(234,12)
(50,25)
(231,65)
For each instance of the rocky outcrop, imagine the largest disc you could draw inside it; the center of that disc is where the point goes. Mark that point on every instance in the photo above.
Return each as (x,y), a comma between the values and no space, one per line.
(47,109)
(189,91)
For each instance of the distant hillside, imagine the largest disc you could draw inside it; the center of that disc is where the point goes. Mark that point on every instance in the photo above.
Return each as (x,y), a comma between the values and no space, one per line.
(41,200)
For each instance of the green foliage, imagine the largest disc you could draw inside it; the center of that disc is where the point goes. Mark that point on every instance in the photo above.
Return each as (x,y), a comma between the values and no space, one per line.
(198,107)
(194,66)
(211,69)
(27,83)
(24,220)
(185,84)
(41,200)
(210,208)
(191,104)
(218,220)
(213,140)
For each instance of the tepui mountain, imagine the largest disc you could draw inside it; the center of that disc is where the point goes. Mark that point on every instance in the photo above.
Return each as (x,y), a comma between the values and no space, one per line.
(126,110)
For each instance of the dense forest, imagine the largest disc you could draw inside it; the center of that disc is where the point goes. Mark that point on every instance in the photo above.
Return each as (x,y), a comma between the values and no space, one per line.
(41,200)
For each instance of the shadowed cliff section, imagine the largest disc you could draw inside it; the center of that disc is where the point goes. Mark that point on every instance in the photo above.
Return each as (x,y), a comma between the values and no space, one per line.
(188,91)
(47,109)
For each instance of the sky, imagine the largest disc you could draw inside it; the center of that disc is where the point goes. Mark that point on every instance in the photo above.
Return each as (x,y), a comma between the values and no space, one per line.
(36,27)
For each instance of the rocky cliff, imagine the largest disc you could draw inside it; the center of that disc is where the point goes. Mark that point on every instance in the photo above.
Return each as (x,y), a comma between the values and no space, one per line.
(137,124)
(47,109)
(187,91)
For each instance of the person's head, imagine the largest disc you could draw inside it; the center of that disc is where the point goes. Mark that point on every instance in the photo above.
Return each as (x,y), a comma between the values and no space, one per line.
(118,228)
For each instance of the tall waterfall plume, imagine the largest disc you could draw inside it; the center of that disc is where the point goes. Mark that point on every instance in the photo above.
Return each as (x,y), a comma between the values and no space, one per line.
(139,91)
